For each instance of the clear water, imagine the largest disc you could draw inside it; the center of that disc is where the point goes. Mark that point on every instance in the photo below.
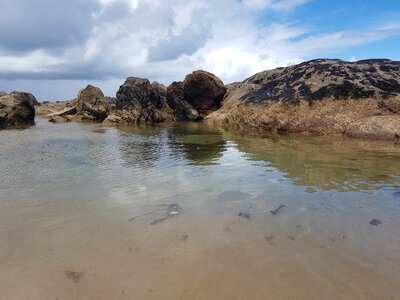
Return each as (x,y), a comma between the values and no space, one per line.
(89,212)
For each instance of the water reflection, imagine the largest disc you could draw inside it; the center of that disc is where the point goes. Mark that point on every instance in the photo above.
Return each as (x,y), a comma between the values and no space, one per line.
(318,163)
(326,163)
(199,144)
(141,147)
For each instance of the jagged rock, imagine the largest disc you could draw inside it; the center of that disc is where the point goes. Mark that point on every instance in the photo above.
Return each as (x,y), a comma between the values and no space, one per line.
(16,111)
(183,111)
(27,96)
(141,101)
(92,104)
(203,90)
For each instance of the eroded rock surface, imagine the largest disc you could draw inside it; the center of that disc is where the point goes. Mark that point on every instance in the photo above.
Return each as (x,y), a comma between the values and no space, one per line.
(16,111)
(92,105)
(138,100)
(26,96)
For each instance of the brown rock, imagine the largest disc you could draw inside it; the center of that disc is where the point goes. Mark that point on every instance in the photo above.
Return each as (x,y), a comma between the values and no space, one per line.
(26,96)
(203,90)
(16,111)
(92,104)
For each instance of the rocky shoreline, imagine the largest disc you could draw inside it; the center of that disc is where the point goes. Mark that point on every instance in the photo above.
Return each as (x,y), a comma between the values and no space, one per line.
(323,97)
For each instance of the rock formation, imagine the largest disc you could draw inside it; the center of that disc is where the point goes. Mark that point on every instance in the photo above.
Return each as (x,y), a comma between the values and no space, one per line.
(27,96)
(183,111)
(138,100)
(320,96)
(3,94)
(92,105)
(16,111)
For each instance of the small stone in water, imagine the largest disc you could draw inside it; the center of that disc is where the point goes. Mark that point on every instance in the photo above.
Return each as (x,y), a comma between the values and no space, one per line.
(375,223)
(244,215)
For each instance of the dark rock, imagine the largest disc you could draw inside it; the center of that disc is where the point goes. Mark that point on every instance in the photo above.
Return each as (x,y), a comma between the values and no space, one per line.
(203,90)
(244,215)
(26,96)
(92,104)
(276,211)
(16,111)
(142,101)
(375,222)
(323,78)
(183,111)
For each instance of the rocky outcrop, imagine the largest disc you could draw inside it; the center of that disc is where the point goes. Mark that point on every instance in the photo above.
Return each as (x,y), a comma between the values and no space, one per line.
(320,96)
(138,100)
(183,110)
(26,96)
(92,105)
(3,94)
(320,79)
(16,111)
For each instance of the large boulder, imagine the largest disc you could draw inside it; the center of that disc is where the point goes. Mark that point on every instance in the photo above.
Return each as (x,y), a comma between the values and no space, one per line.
(138,100)
(26,96)
(183,111)
(16,112)
(92,105)
(203,90)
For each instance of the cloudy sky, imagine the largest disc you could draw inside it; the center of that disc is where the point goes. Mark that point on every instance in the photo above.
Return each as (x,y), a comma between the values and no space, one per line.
(53,48)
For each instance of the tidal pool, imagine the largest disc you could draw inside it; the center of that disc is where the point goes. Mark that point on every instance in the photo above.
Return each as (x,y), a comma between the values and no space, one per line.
(192,212)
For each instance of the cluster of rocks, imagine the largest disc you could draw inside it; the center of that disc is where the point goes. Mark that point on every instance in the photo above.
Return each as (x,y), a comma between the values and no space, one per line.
(314,96)
(138,100)
(17,109)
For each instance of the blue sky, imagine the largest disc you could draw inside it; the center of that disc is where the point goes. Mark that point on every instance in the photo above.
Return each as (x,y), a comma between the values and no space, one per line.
(54,48)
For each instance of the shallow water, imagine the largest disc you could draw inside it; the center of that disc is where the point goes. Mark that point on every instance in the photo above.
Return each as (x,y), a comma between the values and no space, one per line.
(89,212)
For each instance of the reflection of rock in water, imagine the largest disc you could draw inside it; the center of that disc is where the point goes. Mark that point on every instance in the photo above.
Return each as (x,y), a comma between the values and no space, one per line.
(200,145)
(142,149)
(326,163)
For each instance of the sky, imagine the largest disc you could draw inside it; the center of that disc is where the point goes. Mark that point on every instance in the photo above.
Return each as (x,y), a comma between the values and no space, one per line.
(54,48)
